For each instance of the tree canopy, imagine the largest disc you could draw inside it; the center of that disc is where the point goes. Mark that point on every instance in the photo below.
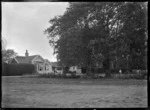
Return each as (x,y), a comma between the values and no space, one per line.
(93,32)
(8,54)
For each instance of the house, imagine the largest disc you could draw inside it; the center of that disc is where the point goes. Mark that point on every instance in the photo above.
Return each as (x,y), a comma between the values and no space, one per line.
(81,69)
(76,69)
(48,67)
(42,66)
(57,68)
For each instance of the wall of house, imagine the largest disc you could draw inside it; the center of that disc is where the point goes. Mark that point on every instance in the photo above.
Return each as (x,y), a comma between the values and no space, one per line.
(13,61)
(75,68)
(58,70)
(37,59)
(48,68)
(78,71)
(42,67)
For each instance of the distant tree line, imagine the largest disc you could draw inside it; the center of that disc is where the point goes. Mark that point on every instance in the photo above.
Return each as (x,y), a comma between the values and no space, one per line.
(91,33)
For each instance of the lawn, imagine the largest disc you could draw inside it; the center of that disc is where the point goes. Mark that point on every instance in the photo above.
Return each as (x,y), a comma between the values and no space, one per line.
(35,92)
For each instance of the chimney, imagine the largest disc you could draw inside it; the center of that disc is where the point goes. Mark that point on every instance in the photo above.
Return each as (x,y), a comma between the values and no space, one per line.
(26,54)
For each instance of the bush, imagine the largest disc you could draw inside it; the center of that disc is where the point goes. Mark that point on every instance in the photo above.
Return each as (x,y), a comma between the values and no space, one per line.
(128,76)
(72,72)
(44,75)
(144,72)
(100,70)
(114,71)
(74,76)
(99,75)
(51,75)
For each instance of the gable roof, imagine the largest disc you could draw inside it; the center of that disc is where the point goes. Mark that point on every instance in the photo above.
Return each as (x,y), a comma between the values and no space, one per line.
(22,59)
(55,64)
(46,60)
(12,60)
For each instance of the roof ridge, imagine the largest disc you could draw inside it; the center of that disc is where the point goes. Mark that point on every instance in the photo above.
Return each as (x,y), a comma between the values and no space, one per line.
(20,56)
(33,55)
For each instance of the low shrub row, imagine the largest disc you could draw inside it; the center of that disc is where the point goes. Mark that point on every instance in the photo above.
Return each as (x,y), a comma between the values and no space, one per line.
(128,76)
(58,76)
(95,76)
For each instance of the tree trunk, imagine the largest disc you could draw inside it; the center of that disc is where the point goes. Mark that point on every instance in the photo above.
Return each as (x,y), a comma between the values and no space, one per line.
(88,70)
(107,67)
(108,73)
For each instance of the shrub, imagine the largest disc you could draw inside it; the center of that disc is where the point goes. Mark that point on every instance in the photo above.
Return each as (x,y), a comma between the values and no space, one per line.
(100,70)
(75,76)
(64,76)
(144,72)
(59,75)
(128,76)
(51,75)
(114,71)
(43,75)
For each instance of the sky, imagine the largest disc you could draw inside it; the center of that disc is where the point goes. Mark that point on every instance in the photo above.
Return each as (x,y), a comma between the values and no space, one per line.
(23,25)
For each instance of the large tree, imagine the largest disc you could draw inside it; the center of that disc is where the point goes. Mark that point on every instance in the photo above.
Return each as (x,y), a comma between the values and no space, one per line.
(90,33)
(8,54)
(133,34)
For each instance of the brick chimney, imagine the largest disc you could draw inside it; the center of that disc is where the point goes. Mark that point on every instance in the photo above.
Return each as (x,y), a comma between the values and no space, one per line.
(26,54)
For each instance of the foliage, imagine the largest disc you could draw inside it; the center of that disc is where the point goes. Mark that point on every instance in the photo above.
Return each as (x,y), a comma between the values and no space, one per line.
(92,33)
(134,32)
(129,76)
(8,54)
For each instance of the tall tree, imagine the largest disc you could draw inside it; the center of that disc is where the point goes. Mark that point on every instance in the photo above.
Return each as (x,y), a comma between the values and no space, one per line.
(133,33)
(8,54)
(90,33)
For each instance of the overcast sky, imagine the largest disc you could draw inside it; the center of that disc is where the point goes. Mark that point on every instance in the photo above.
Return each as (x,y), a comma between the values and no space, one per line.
(23,24)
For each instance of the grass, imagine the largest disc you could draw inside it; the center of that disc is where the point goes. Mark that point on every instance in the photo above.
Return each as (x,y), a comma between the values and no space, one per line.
(79,93)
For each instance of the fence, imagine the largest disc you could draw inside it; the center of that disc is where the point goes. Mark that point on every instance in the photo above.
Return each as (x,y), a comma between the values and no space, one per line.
(17,69)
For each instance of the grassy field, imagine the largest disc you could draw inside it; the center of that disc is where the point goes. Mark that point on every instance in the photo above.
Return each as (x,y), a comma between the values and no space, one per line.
(73,93)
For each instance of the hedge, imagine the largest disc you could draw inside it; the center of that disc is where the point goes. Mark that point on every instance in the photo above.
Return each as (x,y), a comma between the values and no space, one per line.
(128,76)
(93,70)
(4,69)
(17,69)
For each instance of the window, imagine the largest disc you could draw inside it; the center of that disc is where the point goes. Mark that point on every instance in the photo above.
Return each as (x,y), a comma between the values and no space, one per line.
(39,67)
(46,67)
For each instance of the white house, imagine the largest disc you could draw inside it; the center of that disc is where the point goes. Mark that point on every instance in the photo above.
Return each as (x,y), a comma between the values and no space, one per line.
(76,69)
(48,67)
(57,68)
(42,66)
